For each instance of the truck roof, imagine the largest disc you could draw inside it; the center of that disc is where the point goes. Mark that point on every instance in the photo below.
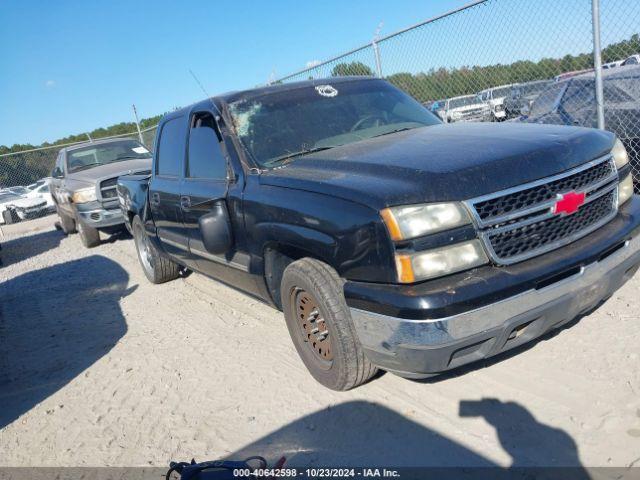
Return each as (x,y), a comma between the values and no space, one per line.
(233,96)
(95,142)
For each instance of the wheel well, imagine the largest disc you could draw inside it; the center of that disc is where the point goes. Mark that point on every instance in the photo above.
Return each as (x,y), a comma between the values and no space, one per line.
(276,260)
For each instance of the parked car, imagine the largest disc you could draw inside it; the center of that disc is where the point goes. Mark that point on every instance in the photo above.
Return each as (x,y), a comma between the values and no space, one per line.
(573,102)
(466,108)
(37,184)
(18,190)
(389,240)
(14,207)
(521,96)
(494,97)
(632,60)
(614,64)
(41,190)
(567,75)
(438,108)
(83,185)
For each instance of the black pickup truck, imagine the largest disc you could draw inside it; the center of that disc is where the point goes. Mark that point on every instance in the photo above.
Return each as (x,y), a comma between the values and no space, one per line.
(389,240)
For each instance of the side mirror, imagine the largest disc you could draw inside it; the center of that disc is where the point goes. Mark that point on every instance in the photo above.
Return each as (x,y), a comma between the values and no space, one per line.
(56,173)
(215,228)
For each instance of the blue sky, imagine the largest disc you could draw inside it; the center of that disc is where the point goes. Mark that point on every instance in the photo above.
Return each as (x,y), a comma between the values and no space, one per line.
(69,66)
(72,66)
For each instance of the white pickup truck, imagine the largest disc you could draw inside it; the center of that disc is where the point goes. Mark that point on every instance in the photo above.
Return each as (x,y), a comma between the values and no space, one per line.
(494,97)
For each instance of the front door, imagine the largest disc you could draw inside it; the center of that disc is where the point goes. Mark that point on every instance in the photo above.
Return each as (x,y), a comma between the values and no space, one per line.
(204,193)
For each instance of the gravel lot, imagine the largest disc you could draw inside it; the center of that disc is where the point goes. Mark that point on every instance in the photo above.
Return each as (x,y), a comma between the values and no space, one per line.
(98,367)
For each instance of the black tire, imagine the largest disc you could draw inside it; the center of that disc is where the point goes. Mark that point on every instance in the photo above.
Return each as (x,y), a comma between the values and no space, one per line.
(347,366)
(67,224)
(8,217)
(156,267)
(89,236)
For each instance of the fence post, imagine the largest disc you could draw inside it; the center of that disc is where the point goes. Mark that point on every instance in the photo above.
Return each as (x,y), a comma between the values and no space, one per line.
(135,114)
(597,62)
(376,53)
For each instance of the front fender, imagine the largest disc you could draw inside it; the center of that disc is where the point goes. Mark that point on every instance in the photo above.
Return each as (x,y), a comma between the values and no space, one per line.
(348,236)
(303,239)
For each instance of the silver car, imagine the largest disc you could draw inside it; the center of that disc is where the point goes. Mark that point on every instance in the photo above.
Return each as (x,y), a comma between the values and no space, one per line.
(83,185)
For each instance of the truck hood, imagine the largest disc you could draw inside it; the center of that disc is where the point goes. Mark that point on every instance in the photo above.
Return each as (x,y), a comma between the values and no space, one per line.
(442,162)
(109,170)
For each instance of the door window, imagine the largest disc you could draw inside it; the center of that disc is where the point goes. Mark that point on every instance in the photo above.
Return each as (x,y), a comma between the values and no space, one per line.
(205,158)
(171,148)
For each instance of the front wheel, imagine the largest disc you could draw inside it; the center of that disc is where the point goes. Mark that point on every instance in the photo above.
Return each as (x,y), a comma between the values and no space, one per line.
(320,325)
(156,267)
(10,216)
(67,224)
(89,236)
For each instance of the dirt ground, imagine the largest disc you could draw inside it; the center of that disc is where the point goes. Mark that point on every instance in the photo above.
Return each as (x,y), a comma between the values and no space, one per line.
(100,368)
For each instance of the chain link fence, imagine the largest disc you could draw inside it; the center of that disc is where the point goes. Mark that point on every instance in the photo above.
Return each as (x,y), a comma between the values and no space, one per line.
(23,174)
(515,61)
(492,60)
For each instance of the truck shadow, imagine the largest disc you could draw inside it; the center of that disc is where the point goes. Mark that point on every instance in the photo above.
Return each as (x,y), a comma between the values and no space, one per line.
(359,433)
(20,248)
(54,323)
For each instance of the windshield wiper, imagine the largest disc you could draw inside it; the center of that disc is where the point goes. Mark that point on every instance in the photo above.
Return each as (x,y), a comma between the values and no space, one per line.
(85,166)
(394,131)
(289,156)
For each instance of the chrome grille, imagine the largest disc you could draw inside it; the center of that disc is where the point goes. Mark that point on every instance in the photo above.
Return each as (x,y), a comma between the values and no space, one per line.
(520,223)
(108,188)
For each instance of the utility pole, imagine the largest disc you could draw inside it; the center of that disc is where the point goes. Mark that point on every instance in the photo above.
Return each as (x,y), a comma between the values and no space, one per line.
(597,62)
(376,50)
(135,115)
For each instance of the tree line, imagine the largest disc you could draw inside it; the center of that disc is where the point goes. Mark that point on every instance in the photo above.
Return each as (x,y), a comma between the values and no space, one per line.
(442,83)
(102,132)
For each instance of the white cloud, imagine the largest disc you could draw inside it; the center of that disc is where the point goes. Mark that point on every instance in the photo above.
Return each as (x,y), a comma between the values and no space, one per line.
(313,63)
(50,83)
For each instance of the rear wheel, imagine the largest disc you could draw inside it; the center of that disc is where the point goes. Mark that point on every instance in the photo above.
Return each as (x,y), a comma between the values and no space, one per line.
(89,236)
(320,325)
(67,224)
(157,268)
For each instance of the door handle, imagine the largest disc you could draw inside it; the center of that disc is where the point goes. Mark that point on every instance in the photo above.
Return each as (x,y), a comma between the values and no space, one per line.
(185,203)
(155,199)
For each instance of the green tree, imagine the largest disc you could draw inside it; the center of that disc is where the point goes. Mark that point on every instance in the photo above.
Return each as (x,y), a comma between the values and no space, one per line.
(353,68)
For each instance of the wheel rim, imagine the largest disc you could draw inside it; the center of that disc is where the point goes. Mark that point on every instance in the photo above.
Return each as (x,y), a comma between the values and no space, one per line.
(312,326)
(144,249)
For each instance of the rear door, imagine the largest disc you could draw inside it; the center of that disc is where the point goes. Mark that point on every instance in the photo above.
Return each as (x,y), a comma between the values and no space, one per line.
(165,186)
(58,187)
(205,191)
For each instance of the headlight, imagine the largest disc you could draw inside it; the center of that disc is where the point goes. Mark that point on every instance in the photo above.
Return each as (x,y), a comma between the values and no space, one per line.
(84,195)
(456,115)
(619,154)
(440,261)
(625,189)
(416,220)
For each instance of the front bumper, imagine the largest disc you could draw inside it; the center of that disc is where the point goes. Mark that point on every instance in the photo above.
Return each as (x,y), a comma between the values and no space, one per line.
(31,212)
(420,347)
(101,217)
